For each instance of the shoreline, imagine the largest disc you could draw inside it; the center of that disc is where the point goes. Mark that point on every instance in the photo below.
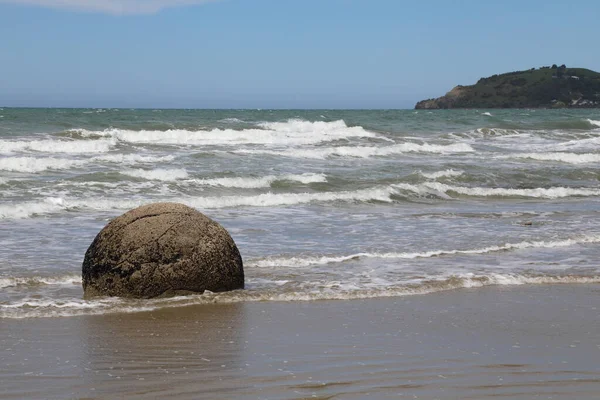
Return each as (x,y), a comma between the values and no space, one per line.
(515,342)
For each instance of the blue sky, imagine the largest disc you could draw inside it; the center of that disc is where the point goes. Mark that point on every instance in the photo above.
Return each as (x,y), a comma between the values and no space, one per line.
(277,53)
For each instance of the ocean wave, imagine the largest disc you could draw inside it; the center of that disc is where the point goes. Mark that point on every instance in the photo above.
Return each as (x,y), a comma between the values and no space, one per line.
(575,124)
(543,131)
(287,199)
(449,173)
(259,182)
(159,174)
(54,205)
(278,291)
(386,194)
(442,190)
(586,143)
(34,164)
(58,146)
(302,262)
(121,186)
(292,132)
(570,158)
(364,151)
(21,210)
(15,281)
(479,133)
(594,122)
(133,158)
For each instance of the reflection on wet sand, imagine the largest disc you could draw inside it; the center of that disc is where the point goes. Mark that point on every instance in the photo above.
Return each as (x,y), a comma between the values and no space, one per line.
(182,352)
(516,343)
(166,352)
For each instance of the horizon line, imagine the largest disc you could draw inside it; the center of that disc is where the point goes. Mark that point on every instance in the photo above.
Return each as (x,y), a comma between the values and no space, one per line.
(202,108)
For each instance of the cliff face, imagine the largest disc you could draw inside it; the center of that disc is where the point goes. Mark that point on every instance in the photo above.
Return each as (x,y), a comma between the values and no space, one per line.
(546,87)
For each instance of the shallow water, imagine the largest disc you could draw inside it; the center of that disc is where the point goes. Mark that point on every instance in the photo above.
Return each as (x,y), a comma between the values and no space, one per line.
(322,204)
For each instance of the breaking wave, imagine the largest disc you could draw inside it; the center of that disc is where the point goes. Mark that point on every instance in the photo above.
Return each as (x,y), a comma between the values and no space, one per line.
(181,175)
(30,307)
(300,262)
(387,194)
(292,132)
(364,151)
(28,164)
(449,173)
(159,174)
(570,158)
(34,164)
(53,205)
(442,190)
(49,205)
(133,159)
(594,122)
(259,182)
(58,146)
(286,199)
(9,281)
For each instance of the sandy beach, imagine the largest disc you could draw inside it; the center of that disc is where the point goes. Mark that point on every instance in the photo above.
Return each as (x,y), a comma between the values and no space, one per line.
(497,342)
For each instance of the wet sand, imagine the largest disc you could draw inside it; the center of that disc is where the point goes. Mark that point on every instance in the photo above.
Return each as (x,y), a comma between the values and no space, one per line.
(497,342)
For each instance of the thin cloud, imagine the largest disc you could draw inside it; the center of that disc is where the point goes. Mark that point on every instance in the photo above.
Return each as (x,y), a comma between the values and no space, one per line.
(115,7)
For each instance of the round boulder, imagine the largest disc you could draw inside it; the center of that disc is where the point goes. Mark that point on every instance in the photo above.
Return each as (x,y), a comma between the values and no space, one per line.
(160,250)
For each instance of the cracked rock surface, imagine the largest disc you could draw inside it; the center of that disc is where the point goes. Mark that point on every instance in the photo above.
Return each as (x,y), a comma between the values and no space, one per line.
(159,250)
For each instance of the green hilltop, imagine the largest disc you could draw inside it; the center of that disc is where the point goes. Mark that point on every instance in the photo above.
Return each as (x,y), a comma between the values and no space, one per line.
(545,87)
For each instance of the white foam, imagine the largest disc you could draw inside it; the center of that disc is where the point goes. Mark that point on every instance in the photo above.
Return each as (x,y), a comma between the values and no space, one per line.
(34,164)
(364,151)
(29,209)
(260,182)
(286,199)
(571,158)
(449,173)
(329,290)
(292,132)
(164,175)
(297,125)
(54,205)
(487,114)
(422,190)
(11,146)
(300,262)
(133,159)
(377,193)
(441,189)
(116,188)
(586,144)
(58,146)
(594,122)
(39,280)
(471,280)
(57,205)
(231,120)
(44,308)
(305,178)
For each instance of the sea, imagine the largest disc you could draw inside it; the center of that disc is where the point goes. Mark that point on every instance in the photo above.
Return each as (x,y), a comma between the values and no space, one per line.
(322,204)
